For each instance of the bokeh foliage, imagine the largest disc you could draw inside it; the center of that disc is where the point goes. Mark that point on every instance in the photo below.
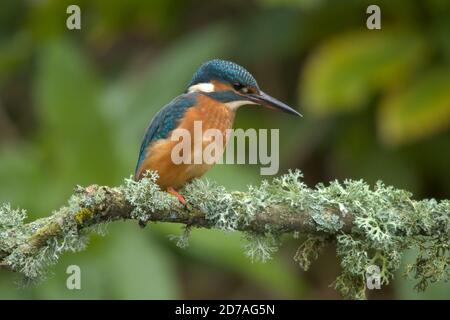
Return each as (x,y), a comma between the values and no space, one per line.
(74,104)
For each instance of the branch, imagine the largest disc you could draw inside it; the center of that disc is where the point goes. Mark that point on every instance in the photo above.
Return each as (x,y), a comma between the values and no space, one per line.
(369,227)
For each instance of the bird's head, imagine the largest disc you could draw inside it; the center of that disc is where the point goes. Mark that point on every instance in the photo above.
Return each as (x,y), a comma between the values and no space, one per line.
(232,85)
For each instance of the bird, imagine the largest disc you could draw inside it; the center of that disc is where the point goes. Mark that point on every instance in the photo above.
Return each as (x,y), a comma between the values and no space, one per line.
(217,89)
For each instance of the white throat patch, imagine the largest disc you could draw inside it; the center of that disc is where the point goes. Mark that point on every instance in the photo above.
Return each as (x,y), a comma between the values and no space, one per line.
(201,87)
(236,104)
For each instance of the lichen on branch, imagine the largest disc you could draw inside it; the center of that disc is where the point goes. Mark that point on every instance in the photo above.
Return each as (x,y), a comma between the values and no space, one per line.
(369,226)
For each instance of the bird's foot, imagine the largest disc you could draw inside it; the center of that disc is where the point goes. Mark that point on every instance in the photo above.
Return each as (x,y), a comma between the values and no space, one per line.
(173,192)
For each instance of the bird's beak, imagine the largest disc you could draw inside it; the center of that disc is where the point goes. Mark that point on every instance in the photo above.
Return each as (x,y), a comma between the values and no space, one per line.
(265,100)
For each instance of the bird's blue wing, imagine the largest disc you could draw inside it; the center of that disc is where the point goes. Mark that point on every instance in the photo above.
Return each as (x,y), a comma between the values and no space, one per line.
(165,121)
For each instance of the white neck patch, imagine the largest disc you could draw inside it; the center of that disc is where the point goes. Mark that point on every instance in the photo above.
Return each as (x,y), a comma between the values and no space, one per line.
(201,87)
(209,87)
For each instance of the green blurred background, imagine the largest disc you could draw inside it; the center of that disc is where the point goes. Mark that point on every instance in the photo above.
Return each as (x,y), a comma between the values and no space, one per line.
(74,105)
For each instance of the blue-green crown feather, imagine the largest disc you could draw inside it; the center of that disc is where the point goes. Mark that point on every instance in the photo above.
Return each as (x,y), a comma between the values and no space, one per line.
(225,71)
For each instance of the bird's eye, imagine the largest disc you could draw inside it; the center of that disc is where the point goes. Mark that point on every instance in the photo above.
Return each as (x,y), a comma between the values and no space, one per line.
(240,87)
(237,86)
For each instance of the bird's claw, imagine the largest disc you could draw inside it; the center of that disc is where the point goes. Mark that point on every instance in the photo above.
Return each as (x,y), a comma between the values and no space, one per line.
(180,198)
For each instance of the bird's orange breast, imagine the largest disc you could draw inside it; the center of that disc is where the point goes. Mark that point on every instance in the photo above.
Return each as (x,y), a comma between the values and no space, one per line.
(212,115)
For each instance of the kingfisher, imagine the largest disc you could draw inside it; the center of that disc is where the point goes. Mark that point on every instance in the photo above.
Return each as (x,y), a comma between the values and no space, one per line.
(217,89)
